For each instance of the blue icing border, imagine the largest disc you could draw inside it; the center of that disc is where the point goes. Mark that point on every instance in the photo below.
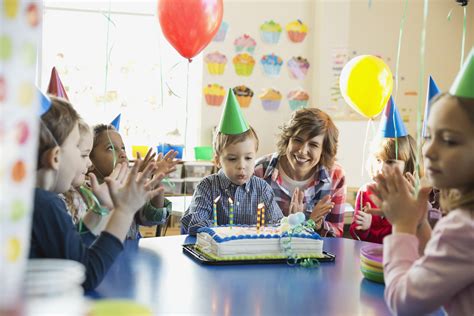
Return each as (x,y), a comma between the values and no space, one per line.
(213,234)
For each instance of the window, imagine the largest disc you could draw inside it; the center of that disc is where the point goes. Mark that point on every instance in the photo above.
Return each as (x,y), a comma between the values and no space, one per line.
(112,58)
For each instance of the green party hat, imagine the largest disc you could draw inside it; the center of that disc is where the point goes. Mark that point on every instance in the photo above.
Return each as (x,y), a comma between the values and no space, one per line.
(463,85)
(232,119)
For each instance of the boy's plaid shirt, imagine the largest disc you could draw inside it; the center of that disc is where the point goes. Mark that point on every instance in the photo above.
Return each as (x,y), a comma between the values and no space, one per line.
(325,182)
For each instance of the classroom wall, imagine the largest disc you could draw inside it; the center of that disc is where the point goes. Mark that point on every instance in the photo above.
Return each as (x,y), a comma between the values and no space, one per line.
(340,30)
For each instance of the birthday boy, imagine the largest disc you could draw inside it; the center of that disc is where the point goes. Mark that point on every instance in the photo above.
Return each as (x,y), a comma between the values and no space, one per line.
(231,195)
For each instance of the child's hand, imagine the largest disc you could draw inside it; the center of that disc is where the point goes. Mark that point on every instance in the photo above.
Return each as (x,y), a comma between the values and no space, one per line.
(363,219)
(166,164)
(101,191)
(322,208)
(397,202)
(149,158)
(296,204)
(136,189)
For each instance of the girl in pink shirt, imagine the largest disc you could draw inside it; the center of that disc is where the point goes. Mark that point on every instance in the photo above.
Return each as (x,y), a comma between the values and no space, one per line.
(423,269)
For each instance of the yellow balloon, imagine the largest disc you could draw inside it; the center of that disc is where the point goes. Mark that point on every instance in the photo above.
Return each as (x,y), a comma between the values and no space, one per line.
(366,84)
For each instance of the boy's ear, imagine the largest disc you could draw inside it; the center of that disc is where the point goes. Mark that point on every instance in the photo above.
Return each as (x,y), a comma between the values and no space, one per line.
(217,161)
(51,158)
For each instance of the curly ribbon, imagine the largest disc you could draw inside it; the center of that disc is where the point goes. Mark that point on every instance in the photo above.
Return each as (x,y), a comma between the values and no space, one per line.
(92,205)
(400,36)
(420,98)
(293,259)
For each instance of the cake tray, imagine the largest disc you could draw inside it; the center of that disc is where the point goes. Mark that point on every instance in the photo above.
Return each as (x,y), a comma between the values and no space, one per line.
(196,255)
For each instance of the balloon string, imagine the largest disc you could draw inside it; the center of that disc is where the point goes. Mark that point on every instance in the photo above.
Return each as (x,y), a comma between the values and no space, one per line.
(420,89)
(463,37)
(400,36)
(365,147)
(107,56)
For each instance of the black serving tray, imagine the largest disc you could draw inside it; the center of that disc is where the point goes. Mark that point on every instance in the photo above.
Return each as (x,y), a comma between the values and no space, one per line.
(196,255)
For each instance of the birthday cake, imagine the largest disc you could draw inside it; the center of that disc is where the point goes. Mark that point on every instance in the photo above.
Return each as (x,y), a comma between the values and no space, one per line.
(245,243)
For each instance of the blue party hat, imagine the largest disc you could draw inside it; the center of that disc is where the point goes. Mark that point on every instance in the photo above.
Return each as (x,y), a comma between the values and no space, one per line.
(433,90)
(116,122)
(45,103)
(391,124)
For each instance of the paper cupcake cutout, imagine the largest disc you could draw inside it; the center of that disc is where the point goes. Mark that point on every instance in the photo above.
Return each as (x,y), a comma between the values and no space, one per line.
(271,99)
(221,33)
(215,63)
(270,32)
(298,99)
(243,64)
(244,95)
(214,94)
(245,43)
(296,31)
(298,67)
(271,64)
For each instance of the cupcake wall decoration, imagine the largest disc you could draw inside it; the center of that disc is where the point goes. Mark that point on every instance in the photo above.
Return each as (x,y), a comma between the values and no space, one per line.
(298,67)
(243,64)
(215,63)
(271,99)
(245,43)
(298,99)
(221,33)
(296,31)
(271,64)
(270,32)
(214,94)
(244,95)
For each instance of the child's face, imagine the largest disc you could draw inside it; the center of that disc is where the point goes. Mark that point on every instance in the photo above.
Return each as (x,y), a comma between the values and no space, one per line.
(70,161)
(109,144)
(85,146)
(304,154)
(238,161)
(381,166)
(449,147)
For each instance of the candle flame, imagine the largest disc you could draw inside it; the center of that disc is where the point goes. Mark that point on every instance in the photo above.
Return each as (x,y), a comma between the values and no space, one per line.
(230,200)
(261,205)
(217,199)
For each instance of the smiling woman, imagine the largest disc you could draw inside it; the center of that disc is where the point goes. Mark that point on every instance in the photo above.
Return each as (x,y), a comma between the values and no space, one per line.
(303,173)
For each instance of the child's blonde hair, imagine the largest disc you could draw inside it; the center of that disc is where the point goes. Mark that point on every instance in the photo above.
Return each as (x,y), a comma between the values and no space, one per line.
(451,199)
(84,128)
(386,149)
(221,141)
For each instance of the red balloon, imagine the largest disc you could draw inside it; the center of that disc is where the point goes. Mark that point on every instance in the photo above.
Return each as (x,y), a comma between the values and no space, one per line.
(189,25)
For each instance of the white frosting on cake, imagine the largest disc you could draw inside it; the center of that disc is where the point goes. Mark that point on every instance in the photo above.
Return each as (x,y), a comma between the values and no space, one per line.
(243,242)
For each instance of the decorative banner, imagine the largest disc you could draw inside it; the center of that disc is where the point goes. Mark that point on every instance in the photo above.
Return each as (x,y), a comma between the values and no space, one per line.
(19,37)
(244,95)
(245,43)
(215,63)
(298,99)
(271,99)
(298,67)
(214,94)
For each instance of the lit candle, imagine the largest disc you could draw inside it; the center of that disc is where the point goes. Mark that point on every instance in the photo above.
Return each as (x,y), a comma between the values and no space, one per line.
(214,210)
(259,211)
(231,213)
(263,215)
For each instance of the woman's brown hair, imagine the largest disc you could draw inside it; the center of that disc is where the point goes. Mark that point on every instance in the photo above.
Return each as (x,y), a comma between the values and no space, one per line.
(310,123)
